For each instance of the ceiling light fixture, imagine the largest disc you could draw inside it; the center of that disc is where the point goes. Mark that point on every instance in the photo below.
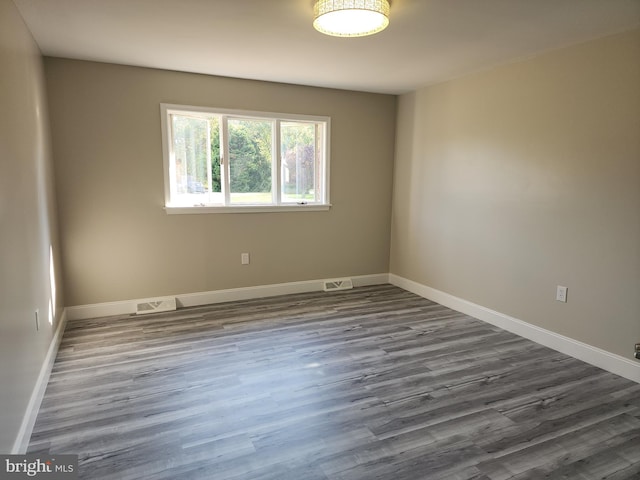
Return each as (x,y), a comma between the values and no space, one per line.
(350,18)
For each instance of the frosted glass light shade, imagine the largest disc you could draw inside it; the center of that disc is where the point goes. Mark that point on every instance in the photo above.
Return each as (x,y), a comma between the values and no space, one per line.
(351,18)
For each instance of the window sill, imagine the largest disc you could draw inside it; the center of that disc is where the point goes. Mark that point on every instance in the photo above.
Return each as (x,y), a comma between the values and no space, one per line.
(247,209)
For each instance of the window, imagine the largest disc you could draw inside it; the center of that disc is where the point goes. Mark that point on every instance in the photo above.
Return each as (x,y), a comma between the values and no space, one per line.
(229,160)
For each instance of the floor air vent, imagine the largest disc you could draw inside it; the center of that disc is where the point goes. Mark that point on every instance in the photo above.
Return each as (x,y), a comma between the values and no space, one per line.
(154,305)
(338,284)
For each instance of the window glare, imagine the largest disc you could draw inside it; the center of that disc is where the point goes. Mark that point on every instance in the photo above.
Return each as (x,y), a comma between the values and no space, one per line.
(190,151)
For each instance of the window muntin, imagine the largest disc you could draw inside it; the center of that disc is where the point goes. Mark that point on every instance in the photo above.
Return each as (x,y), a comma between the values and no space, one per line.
(236,159)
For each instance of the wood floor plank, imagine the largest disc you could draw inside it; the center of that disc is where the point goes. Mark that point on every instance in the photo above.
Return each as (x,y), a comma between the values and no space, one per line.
(372,383)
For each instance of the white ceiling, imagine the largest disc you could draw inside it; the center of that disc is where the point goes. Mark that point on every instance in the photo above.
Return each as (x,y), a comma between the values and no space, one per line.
(426,42)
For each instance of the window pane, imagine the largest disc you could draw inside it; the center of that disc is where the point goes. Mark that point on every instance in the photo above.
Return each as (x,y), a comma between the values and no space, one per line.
(250,161)
(190,153)
(300,172)
(196,171)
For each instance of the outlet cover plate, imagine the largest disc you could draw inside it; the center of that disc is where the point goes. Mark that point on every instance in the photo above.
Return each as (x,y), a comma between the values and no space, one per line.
(561,294)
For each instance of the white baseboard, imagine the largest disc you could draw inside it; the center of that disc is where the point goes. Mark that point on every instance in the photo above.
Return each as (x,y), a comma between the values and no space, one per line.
(587,353)
(28,421)
(218,296)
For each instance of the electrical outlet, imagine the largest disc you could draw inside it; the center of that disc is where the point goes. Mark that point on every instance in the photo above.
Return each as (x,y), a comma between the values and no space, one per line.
(37,320)
(561,294)
(244,258)
(637,351)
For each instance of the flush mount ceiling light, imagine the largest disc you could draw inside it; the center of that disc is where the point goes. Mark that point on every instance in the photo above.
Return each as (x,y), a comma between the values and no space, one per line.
(350,18)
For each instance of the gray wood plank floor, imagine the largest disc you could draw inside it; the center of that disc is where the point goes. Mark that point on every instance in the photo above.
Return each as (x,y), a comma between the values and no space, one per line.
(372,383)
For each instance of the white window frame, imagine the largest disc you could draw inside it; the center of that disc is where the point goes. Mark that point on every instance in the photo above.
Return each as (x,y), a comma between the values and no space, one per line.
(167,109)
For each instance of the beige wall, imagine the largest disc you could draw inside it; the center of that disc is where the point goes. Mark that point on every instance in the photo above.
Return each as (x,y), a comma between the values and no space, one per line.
(118,243)
(27,222)
(515,180)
